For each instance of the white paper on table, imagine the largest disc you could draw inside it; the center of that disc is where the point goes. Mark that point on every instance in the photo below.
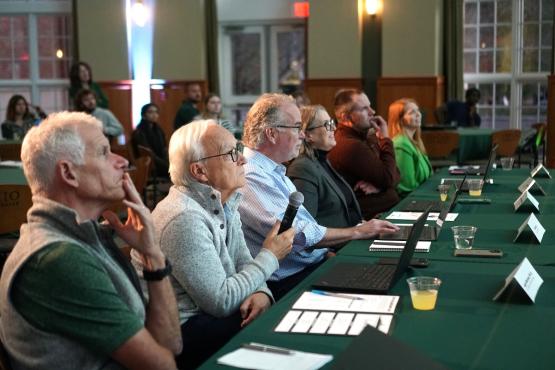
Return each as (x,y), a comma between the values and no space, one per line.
(369,303)
(244,358)
(288,321)
(305,322)
(341,323)
(413,216)
(11,164)
(322,323)
(361,321)
(397,245)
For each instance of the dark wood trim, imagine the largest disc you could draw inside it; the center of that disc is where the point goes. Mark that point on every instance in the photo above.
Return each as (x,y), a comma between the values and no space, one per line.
(322,90)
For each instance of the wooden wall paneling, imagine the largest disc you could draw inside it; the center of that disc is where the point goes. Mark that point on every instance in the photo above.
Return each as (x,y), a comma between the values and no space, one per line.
(322,91)
(550,136)
(119,98)
(428,91)
(168,97)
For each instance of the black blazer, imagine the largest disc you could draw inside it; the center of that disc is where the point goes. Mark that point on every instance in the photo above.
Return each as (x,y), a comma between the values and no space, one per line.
(322,196)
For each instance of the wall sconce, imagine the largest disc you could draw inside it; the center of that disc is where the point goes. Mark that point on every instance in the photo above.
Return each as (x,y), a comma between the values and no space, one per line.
(372,6)
(140,13)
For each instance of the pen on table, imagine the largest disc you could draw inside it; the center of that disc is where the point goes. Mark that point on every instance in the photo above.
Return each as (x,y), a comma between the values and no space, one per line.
(337,295)
(269,349)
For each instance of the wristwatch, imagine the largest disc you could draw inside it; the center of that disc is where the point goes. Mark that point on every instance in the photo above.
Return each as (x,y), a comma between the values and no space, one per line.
(157,275)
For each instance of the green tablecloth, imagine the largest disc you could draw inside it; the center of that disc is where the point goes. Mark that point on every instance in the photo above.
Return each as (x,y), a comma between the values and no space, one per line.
(467,329)
(474,143)
(12,175)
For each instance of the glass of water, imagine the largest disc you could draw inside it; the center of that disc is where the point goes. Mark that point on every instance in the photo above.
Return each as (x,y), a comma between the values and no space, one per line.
(464,236)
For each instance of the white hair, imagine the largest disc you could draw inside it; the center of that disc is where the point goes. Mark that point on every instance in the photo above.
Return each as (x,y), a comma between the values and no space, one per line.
(55,139)
(186,148)
(265,112)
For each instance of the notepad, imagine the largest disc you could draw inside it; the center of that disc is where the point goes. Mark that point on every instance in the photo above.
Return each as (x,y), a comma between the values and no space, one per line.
(397,245)
(244,358)
(413,216)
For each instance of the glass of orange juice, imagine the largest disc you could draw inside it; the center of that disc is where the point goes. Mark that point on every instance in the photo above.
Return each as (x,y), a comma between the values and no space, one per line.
(423,292)
(443,191)
(475,187)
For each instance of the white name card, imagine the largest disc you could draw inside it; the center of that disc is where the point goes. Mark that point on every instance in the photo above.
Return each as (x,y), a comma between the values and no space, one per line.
(530,184)
(540,170)
(526,196)
(526,278)
(534,225)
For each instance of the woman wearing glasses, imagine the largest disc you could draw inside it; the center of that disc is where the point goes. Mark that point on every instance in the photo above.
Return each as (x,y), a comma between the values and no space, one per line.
(410,154)
(328,197)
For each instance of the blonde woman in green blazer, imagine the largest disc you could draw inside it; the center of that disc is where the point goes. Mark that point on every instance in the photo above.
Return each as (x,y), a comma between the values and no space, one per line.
(404,122)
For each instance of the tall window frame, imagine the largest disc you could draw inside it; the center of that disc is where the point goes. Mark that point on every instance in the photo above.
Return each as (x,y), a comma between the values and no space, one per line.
(48,91)
(513,94)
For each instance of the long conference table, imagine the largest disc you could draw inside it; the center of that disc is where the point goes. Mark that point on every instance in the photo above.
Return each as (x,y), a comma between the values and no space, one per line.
(467,329)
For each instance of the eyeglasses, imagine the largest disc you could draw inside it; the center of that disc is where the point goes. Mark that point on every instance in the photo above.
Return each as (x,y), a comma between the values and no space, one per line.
(297,126)
(329,125)
(233,153)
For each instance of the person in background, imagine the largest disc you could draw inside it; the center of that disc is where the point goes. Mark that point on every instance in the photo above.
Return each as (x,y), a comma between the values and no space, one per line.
(404,121)
(85,101)
(19,119)
(69,298)
(465,114)
(213,110)
(149,134)
(80,77)
(272,137)
(364,153)
(220,288)
(301,99)
(189,108)
(327,196)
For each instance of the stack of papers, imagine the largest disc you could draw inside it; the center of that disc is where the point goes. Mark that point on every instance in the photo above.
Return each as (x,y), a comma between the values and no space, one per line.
(245,358)
(338,313)
(413,216)
(397,245)
(11,164)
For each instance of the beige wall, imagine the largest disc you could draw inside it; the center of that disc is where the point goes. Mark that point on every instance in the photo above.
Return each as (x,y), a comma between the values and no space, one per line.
(102,38)
(412,38)
(179,40)
(334,39)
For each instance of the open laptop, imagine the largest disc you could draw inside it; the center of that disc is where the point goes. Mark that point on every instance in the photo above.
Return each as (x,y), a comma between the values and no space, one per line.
(420,205)
(464,187)
(371,279)
(430,232)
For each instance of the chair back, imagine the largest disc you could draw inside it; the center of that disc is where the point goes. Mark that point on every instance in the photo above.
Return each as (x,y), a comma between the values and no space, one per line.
(15,201)
(508,141)
(142,173)
(124,151)
(440,144)
(4,360)
(10,151)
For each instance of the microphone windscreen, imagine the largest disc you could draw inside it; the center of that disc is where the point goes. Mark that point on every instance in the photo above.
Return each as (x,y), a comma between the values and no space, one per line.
(296,199)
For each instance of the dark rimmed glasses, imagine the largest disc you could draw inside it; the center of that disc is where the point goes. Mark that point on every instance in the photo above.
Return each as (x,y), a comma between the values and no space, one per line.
(329,125)
(297,126)
(233,153)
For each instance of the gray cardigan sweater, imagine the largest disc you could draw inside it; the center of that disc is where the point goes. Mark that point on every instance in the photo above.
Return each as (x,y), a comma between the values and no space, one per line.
(213,271)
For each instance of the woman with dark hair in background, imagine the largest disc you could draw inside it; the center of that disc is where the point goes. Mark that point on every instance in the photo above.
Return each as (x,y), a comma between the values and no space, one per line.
(80,77)
(149,135)
(213,110)
(404,121)
(19,119)
(327,196)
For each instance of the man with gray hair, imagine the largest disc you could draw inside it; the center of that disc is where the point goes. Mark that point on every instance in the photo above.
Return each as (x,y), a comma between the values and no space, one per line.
(273,136)
(68,298)
(220,288)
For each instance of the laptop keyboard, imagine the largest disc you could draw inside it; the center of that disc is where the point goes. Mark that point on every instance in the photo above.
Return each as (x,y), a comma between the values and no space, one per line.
(376,277)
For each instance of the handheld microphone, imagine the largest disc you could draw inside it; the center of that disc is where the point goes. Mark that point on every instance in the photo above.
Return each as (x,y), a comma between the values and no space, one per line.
(295,200)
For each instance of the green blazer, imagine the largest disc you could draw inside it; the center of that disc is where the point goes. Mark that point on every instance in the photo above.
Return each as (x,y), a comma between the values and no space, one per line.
(414,166)
(322,196)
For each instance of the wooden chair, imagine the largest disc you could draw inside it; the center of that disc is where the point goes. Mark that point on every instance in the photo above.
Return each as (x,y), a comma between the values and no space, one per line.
(440,146)
(507,140)
(155,185)
(530,147)
(124,151)
(10,151)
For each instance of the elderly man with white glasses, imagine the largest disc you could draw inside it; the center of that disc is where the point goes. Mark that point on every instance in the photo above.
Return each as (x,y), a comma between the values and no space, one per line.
(219,287)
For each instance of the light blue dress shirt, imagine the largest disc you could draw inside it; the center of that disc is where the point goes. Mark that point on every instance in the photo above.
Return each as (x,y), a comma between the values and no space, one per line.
(266,196)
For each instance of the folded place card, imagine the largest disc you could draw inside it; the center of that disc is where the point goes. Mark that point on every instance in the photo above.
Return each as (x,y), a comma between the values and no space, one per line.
(523,278)
(540,170)
(531,185)
(534,225)
(527,198)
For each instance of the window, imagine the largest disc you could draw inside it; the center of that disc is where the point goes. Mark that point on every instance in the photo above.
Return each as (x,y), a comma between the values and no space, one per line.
(35,52)
(508,55)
